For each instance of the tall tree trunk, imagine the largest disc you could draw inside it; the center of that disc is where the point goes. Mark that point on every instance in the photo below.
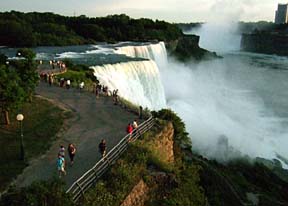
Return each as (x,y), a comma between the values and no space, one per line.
(6,115)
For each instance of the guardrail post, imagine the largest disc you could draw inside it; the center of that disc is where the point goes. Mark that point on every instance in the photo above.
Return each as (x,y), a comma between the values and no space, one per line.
(82,191)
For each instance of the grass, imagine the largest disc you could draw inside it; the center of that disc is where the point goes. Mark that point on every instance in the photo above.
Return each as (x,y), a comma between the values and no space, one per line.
(42,121)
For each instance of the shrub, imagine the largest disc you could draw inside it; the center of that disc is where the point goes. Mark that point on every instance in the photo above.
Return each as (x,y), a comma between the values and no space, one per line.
(39,193)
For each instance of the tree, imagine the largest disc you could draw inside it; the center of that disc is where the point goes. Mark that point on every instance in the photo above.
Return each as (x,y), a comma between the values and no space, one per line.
(3,59)
(26,70)
(28,54)
(17,82)
(11,94)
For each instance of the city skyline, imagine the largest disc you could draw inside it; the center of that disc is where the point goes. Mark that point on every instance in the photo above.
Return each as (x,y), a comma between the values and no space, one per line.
(169,10)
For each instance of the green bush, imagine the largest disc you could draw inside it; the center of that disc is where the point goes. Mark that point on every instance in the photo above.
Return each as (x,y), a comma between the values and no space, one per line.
(180,134)
(39,193)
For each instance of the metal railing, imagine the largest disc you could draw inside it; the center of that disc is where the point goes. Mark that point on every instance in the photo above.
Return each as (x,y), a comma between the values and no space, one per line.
(80,186)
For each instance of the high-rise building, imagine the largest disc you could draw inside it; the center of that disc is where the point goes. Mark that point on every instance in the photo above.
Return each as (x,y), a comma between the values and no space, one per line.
(281,15)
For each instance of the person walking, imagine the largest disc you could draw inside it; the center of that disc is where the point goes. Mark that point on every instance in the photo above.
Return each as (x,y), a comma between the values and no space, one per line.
(68,83)
(81,86)
(135,124)
(135,127)
(61,151)
(102,147)
(71,151)
(61,166)
(140,112)
(50,80)
(129,130)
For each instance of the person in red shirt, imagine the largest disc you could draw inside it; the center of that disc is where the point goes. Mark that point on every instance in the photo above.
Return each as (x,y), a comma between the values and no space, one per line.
(129,131)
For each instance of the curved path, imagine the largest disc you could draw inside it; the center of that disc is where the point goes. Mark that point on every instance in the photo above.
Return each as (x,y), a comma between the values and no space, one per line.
(93,120)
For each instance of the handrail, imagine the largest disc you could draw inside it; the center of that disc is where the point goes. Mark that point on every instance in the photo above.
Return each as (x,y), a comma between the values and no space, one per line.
(78,188)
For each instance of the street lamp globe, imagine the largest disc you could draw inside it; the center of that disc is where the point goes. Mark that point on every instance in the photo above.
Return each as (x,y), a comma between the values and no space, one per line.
(20,117)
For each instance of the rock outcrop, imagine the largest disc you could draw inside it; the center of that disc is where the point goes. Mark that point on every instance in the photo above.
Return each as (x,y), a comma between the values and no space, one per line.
(137,196)
(187,48)
(161,145)
(265,42)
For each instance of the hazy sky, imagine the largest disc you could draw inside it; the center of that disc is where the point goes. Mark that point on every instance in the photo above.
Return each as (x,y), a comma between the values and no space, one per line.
(169,10)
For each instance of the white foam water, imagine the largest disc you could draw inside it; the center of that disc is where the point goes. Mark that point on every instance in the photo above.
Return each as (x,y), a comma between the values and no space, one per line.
(136,81)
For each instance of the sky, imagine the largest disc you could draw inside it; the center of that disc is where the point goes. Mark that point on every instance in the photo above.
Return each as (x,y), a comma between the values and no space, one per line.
(175,11)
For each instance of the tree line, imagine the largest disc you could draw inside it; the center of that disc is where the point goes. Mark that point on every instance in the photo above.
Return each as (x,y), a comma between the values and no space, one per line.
(18,80)
(19,29)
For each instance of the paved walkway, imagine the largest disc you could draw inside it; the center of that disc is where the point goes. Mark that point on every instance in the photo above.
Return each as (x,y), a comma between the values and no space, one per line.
(93,120)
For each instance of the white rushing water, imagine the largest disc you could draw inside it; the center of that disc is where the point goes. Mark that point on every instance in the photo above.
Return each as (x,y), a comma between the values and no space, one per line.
(137,81)
(156,52)
(223,104)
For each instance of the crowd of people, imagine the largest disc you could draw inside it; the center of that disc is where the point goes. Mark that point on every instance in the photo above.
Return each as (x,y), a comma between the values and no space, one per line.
(57,65)
(99,89)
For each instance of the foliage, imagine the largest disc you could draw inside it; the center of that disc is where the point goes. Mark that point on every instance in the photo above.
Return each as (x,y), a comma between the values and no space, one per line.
(26,53)
(11,95)
(43,29)
(187,27)
(39,193)
(17,81)
(243,177)
(3,59)
(119,180)
(180,134)
(187,191)
(26,70)
(249,27)
(78,73)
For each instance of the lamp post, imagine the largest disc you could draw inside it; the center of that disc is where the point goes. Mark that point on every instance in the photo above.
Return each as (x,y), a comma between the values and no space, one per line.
(20,118)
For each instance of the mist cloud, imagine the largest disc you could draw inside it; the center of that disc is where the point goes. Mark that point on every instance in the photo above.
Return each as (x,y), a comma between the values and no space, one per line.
(224,115)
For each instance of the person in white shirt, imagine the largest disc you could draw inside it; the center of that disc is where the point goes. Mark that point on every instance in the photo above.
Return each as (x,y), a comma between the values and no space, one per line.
(68,83)
(81,86)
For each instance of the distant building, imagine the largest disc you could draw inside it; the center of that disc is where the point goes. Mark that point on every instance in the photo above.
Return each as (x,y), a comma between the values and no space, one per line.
(281,15)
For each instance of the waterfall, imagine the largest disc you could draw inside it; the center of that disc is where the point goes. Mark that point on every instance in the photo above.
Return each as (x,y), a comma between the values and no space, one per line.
(156,52)
(228,119)
(136,81)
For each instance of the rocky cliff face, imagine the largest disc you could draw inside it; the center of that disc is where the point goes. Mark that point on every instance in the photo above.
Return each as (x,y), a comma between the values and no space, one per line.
(161,145)
(137,196)
(265,42)
(187,48)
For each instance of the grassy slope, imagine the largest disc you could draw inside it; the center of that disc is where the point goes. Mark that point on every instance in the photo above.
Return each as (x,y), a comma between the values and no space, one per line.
(42,121)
